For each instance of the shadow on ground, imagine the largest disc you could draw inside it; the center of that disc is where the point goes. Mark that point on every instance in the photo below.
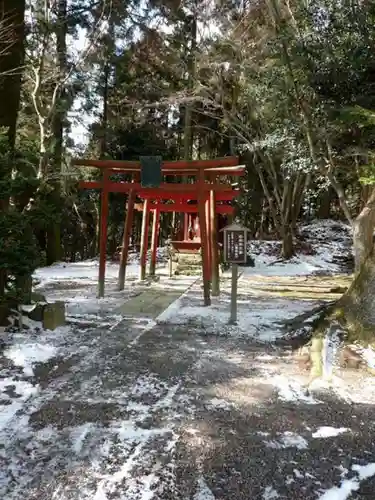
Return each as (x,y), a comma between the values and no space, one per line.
(200,407)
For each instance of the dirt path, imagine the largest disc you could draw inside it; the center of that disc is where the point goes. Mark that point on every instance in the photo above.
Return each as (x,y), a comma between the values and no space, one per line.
(133,411)
(176,413)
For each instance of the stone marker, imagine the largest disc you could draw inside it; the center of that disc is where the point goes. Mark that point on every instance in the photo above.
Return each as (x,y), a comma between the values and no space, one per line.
(53,315)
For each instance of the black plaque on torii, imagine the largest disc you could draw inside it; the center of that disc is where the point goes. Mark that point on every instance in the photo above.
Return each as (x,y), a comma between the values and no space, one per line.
(151,175)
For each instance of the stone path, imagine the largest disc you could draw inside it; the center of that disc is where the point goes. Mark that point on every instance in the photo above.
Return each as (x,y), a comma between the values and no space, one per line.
(149,303)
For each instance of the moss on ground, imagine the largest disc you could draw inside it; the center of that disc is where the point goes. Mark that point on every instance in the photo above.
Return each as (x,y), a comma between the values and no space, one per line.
(301,287)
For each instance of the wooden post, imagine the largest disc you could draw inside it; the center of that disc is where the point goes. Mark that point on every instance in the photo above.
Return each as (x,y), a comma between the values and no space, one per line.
(186,227)
(215,274)
(233,296)
(103,234)
(154,239)
(125,240)
(209,249)
(170,261)
(203,230)
(144,239)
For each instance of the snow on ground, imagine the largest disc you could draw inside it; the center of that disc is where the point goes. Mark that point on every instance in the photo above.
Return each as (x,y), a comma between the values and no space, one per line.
(85,272)
(203,491)
(113,450)
(326,246)
(13,394)
(75,283)
(356,387)
(327,431)
(128,442)
(288,440)
(270,494)
(25,355)
(349,486)
(258,317)
(289,390)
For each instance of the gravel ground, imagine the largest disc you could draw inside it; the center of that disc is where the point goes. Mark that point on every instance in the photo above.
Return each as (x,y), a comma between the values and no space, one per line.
(177,414)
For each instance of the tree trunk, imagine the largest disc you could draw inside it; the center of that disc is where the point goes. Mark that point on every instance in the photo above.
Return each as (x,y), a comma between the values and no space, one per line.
(188,130)
(363,232)
(287,246)
(103,147)
(355,311)
(12,25)
(358,304)
(12,14)
(324,209)
(54,231)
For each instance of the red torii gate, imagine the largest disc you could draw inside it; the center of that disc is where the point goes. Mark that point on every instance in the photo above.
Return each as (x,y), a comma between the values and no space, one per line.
(205,190)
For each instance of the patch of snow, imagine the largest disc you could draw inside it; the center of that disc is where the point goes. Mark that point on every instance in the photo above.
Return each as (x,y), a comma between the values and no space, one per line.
(108,483)
(46,434)
(348,486)
(134,440)
(293,267)
(293,440)
(147,385)
(14,393)
(298,474)
(27,355)
(84,272)
(327,431)
(363,393)
(342,492)
(290,390)
(220,404)
(288,440)
(203,492)
(326,239)
(261,320)
(270,493)
(265,357)
(30,323)
(364,471)
(369,356)
(75,284)
(167,400)
(343,470)
(78,436)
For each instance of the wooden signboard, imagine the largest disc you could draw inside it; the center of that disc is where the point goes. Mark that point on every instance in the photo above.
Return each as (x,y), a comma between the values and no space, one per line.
(235,244)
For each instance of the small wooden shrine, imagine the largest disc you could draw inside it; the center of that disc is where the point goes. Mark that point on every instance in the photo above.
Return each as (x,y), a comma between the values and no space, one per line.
(206,194)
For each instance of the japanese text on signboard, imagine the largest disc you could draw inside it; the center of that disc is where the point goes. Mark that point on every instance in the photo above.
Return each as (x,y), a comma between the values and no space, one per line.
(235,246)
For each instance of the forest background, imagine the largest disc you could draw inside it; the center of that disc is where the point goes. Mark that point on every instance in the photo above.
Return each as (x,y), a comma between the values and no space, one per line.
(288,86)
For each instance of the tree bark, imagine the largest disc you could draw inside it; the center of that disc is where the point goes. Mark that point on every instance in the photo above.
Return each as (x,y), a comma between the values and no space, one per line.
(12,54)
(287,246)
(357,306)
(12,14)
(54,230)
(363,232)
(355,311)
(188,130)
(325,199)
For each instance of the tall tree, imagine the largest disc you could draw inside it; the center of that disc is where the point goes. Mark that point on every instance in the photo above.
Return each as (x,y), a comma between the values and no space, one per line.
(12,39)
